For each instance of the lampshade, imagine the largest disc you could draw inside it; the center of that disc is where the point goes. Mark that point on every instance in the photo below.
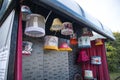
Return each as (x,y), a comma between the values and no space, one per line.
(25,11)
(86,32)
(84,42)
(98,42)
(67,28)
(88,74)
(51,43)
(73,39)
(56,25)
(63,46)
(96,60)
(35,25)
(26,47)
(82,57)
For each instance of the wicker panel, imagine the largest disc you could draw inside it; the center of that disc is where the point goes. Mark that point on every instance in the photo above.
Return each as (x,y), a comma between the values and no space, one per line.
(56,65)
(74,68)
(33,64)
(45,65)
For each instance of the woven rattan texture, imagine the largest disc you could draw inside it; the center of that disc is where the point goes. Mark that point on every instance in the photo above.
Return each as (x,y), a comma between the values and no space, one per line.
(44,65)
(74,67)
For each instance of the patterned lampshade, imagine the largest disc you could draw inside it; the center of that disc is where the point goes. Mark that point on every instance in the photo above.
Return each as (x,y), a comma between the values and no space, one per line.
(67,28)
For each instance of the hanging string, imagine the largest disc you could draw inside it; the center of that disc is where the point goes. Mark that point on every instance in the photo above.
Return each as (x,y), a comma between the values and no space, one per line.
(48,16)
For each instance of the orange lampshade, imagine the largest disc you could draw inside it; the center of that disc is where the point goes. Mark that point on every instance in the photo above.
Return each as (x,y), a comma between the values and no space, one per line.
(73,39)
(98,42)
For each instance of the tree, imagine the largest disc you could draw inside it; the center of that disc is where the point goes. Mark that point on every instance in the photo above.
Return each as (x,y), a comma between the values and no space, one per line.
(113,53)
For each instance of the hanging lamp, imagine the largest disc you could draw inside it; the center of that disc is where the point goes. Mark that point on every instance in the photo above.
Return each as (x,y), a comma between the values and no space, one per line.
(83,57)
(51,42)
(98,42)
(56,25)
(67,28)
(25,11)
(86,32)
(73,39)
(96,60)
(84,42)
(35,25)
(63,45)
(88,74)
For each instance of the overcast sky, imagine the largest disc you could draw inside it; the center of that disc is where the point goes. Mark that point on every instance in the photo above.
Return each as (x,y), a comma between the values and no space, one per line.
(106,11)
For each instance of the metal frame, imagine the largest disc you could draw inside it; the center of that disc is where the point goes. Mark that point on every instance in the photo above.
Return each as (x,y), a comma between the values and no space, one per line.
(56,5)
(11,64)
(6,8)
(12,57)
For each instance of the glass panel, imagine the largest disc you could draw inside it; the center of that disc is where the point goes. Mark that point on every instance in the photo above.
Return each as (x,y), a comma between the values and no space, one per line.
(1,1)
(4,5)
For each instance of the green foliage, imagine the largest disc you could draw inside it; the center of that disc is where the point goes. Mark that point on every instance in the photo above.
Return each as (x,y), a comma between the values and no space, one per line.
(113,53)
(113,76)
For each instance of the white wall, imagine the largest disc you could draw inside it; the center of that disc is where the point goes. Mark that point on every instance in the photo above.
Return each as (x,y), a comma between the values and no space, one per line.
(5,30)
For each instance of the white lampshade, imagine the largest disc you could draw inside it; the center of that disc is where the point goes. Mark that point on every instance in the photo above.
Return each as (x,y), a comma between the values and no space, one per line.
(35,25)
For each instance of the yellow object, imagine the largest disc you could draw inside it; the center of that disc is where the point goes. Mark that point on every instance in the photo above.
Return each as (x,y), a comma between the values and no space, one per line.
(65,49)
(51,43)
(56,25)
(98,42)
(50,48)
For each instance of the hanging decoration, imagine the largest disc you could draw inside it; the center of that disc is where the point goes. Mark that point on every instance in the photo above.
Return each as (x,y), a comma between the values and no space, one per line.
(73,39)
(88,74)
(51,43)
(86,32)
(35,25)
(84,42)
(56,25)
(63,46)
(25,11)
(96,60)
(98,42)
(82,57)
(67,28)
(27,47)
